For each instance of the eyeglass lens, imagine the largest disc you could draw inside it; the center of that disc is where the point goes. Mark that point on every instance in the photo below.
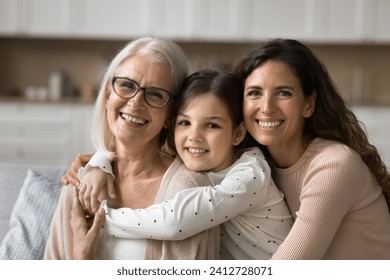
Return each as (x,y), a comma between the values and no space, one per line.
(127,88)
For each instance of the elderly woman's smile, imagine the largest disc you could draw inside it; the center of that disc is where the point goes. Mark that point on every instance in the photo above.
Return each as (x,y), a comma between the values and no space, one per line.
(132,119)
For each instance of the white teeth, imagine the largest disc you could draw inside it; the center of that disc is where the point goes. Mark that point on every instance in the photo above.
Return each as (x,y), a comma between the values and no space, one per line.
(269,124)
(133,119)
(196,151)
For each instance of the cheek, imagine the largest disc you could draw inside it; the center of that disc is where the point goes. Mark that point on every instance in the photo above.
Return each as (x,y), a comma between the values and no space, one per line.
(248,111)
(249,106)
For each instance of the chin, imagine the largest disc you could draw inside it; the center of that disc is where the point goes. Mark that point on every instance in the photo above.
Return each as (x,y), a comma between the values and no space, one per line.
(266,141)
(194,167)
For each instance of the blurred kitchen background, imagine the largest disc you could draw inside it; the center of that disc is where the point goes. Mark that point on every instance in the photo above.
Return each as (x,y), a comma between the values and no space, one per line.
(52,54)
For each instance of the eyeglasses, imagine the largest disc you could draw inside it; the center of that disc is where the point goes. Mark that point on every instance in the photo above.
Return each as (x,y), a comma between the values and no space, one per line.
(127,88)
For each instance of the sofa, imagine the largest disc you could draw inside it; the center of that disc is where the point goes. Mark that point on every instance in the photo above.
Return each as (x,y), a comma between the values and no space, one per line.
(28,199)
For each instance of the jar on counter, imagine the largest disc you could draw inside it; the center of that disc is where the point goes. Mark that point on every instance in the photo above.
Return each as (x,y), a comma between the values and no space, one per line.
(56,85)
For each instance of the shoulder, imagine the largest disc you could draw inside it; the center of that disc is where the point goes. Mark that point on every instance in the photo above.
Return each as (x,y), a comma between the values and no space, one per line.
(253,154)
(328,152)
(336,164)
(178,173)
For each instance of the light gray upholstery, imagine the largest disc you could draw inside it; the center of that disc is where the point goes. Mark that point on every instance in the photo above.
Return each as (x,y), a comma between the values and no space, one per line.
(12,177)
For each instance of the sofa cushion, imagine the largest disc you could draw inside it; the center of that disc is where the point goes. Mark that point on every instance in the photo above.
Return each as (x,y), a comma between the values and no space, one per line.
(12,177)
(31,218)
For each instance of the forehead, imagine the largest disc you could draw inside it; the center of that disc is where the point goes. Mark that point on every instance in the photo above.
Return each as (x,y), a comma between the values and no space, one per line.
(146,72)
(207,103)
(272,72)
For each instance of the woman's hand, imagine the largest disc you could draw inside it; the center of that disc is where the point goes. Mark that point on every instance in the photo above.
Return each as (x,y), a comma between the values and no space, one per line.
(96,186)
(85,231)
(70,177)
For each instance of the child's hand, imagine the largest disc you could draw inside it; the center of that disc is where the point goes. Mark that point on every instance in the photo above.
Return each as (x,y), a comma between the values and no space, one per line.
(85,231)
(70,177)
(96,186)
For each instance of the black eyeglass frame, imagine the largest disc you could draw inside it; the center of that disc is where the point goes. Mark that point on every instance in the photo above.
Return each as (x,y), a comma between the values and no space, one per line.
(139,88)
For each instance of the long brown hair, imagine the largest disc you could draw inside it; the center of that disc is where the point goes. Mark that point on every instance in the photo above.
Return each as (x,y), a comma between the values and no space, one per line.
(333,118)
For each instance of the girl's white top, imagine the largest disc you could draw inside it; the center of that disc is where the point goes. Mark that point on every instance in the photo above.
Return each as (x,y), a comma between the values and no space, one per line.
(244,200)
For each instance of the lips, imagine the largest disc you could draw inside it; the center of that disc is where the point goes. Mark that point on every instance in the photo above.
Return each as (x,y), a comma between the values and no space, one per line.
(132,119)
(268,124)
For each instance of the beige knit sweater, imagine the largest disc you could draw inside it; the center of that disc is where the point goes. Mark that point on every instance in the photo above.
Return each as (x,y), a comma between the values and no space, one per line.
(204,245)
(339,209)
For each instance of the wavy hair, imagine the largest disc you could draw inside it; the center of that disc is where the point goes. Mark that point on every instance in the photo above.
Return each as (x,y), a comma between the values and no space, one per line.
(333,118)
(159,51)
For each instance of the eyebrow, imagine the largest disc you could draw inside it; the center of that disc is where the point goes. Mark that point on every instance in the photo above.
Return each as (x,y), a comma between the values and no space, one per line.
(278,87)
(212,118)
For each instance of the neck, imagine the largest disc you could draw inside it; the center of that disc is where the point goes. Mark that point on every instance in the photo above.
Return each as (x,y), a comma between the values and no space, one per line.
(143,160)
(138,174)
(286,156)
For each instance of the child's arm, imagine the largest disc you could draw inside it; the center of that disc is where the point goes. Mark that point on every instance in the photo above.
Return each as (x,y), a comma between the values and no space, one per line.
(70,177)
(95,180)
(196,209)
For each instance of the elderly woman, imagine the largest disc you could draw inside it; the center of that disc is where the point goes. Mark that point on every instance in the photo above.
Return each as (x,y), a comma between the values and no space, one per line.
(131,114)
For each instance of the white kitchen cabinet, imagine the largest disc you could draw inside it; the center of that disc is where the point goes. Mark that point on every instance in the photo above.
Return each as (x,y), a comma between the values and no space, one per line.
(278,18)
(44,133)
(107,19)
(49,18)
(379,22)
(347,21)
(8,17)
(45,17)
(335,21)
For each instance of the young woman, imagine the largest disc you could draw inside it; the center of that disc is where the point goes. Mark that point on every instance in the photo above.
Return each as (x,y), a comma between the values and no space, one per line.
(207,127)
(333,179)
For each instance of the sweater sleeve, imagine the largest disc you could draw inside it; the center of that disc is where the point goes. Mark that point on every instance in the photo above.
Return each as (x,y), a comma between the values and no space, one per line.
(59,244)
(196,209)
(330,187)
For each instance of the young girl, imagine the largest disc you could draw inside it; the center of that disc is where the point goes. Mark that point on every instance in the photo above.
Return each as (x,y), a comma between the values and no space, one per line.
(208,126)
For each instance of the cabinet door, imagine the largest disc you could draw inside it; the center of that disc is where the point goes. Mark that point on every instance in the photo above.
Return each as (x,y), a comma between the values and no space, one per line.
(44,17)
(34,133)
(278,18)
(44,133)
(338,21)
(380,29)
(168,18)
(108,19)
(9,17)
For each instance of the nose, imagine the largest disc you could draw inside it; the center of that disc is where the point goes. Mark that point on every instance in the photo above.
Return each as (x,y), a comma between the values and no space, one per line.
(267,105)
(195,134)
(137,100)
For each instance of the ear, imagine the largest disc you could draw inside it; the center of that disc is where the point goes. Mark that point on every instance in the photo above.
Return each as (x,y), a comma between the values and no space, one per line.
(107,95)
(239,134)
(310,105)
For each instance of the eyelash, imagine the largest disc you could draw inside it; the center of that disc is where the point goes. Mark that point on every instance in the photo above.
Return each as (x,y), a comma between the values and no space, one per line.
(255,93)
(183,123)
(285,93)
(213,126)
(209,125)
